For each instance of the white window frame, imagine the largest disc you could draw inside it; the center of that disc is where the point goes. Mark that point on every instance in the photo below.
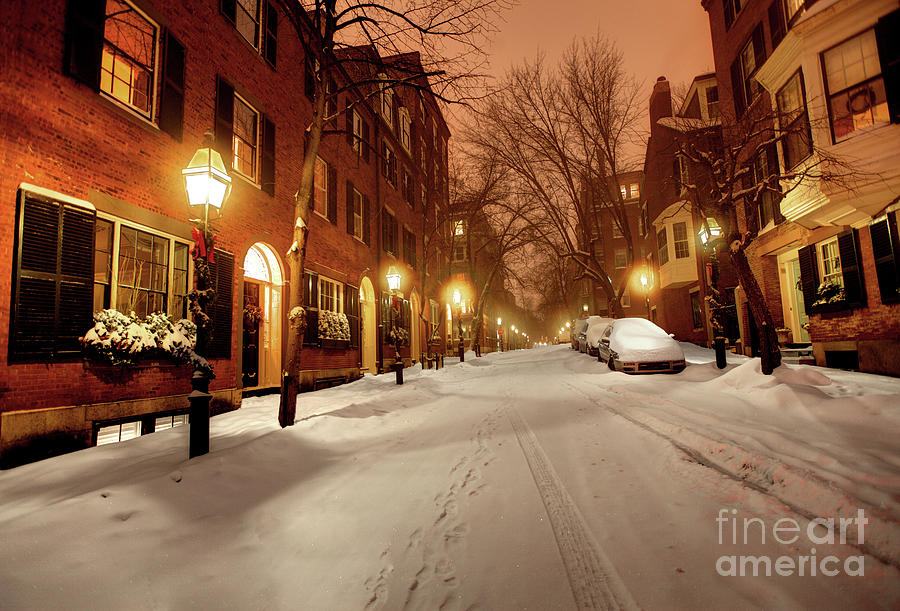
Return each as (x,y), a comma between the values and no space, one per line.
(682,241)
(387,101)
(357,133)
(459,227)
(254,176)
(624,254)
(405,125)
(154,71)
(239,10)
(117,224)
(320,188)
(336,299)
(827,269)
(357,215)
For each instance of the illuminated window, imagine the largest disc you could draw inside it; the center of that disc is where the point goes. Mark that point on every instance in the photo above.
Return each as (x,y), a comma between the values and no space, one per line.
(170,422)
(320,187)
(245,138)
(662,246)
(855,87)
(128,63)
(118,432)
(794,121)
(331,295)
(459,228)
(405,130)
(635,190)
(680,238)
(357,211)
(830,262)
(247,20)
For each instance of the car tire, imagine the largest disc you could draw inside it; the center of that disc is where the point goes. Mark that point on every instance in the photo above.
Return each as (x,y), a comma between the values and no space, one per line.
(612,364)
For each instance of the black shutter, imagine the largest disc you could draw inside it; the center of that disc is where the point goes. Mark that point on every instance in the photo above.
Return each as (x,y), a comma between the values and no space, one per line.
(889,53)
(854,287)
(351,309)
(171,99)
(267,174)
(728,6)
(222,275)
(311,305)
(365,142)
(737,89)
(84,41)
(229,9)
(271,44)
(759,46)
(224,120)
(809,275)
(367,234)
(349,207)
(406,316)
(886,253)
(777,26)
(385,316)
(774,170)
(332,194)
(53,283)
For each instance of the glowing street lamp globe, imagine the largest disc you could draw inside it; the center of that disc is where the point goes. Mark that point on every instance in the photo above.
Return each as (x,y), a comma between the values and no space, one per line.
(206,181)
(393,279)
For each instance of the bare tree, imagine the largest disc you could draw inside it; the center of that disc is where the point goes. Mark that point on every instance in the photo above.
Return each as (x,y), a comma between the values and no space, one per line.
(562,132)
(736,180)
(436,48)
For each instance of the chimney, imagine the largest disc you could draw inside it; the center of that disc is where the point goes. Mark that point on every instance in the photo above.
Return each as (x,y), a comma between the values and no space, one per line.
(660,101)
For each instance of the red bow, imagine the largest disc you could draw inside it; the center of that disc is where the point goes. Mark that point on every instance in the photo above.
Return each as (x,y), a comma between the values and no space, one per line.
(200,248)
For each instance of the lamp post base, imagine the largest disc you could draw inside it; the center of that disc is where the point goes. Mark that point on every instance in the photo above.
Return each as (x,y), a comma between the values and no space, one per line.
(462,353)
(398,371)
(719,344)
(199,413)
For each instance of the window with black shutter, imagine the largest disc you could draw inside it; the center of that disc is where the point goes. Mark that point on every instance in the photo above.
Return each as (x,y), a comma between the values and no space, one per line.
(351,309)
(809,276)
(311,305)
(52,278)
(367,233)
(224,120)
(221,272)
(332,194)
(171,99)
(84,41)
(267,166)
(365,141)
(854,287)
(271,46)
(886,253)
(777,25)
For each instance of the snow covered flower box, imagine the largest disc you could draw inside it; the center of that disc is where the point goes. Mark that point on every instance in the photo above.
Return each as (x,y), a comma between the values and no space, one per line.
(830,297)
(334,329)
(121,340)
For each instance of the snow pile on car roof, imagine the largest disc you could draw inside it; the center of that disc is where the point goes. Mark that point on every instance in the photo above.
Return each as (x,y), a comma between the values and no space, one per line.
(638,339)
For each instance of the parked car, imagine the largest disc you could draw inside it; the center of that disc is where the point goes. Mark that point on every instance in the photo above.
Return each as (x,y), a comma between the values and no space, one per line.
(595,328)
(636,345)
(578,326)
(582,336)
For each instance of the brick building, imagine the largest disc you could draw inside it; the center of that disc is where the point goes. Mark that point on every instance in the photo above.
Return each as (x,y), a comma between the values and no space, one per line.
(102,104)
(829,68)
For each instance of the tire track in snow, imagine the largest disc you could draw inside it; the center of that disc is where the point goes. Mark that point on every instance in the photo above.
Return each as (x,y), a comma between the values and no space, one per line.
(593,578)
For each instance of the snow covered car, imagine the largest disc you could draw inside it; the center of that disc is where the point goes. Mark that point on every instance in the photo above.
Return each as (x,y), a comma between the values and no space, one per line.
(578,326)
(595,328)
(636,345)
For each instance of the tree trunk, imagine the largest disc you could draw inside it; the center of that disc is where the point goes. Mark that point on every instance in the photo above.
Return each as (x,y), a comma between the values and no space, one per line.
(770,355)
(479,309)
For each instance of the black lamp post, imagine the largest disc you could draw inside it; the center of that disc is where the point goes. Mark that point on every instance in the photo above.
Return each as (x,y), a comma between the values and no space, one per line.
(499,334)
(208,186)
(393,280)
(710,236)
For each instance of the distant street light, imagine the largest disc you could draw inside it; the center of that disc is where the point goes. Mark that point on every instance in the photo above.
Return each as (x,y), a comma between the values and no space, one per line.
(393,280)
(208,186)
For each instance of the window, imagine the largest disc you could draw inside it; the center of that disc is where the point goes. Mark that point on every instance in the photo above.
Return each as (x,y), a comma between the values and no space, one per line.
(435,318)
(405,130)
(244,138)
(763,169)
(387,101)
(247,20)
(320,187)
(331,295)
(118,432)
(128,63)
(356,205)
(830,262)
(635,190)
(460,253)
(855,86)
(744,86)
(696,310)
(623,189)
(626,300)
(621,258)
(682,173)
(616,230)
(170,422)
(732,8)
(662,247)
(389,236)
(712,101)
(422,160)
(151,272)
(357,133)
(459,227)
(680,238)
(408,188)
(794,121)
(388,163)
(409,247)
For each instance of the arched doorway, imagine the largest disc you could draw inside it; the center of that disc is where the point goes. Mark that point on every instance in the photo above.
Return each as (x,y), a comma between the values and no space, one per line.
(415,332)
(367,347)
(261,347)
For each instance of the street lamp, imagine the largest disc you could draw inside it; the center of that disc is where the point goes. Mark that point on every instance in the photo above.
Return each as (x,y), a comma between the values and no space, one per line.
(644,283)
(208,186)
(457,300)
(393,280)
(585,308)
(499,334)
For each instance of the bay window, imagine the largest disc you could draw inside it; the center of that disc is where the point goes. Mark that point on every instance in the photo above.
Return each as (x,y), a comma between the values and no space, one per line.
(796,144)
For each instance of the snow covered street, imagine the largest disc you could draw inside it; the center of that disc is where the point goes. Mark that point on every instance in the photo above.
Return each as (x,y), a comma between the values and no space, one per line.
(533,479)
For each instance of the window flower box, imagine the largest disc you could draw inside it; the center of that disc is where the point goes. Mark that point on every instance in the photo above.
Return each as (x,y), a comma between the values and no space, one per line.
(335,344)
